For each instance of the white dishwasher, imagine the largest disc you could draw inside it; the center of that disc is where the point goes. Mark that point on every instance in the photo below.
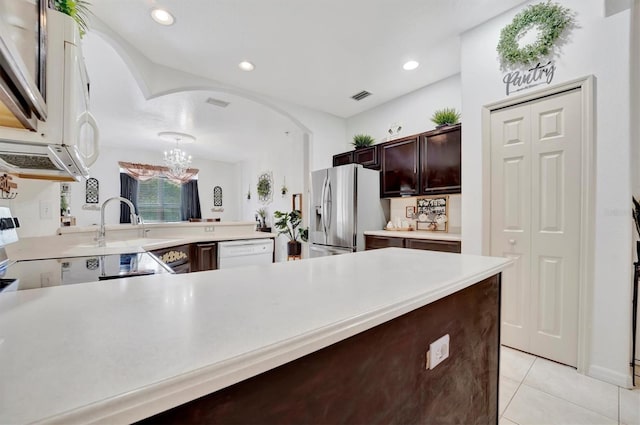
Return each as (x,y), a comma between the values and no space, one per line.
(245,252)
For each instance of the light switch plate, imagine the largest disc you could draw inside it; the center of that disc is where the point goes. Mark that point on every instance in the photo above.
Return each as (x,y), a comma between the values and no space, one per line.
(438,351)
(45,209)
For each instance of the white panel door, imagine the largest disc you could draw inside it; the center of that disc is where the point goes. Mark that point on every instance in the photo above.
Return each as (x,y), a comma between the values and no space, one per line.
(540,295)
(511,217)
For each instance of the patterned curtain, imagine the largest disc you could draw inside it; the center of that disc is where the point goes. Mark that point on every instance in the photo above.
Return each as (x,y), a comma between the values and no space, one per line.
(190,200)
(145,172)
(129,190)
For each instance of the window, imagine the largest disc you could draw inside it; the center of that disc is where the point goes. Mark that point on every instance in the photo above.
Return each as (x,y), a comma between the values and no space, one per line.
(159,200)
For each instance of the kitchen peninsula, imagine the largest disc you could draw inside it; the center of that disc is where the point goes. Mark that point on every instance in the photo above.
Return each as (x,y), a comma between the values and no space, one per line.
(325,340)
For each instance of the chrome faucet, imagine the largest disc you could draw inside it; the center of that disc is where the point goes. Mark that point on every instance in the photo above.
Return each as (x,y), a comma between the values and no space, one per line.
(101,232)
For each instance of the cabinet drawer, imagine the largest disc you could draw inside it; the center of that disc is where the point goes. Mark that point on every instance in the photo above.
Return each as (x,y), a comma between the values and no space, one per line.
(433,245)
(376,242)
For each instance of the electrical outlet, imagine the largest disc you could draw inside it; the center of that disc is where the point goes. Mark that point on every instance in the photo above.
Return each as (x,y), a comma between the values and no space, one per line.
(208,228)
(438,351)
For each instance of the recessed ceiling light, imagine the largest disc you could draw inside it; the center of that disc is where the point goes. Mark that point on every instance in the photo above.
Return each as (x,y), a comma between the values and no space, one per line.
(246,66)
(162,17)
(411,65)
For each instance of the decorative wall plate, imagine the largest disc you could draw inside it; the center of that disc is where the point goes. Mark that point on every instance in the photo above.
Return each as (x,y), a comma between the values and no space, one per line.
(92,191)
(265,187)
(217,196)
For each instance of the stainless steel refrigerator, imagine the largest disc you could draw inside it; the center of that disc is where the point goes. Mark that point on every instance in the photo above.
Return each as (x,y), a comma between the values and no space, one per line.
(345,202)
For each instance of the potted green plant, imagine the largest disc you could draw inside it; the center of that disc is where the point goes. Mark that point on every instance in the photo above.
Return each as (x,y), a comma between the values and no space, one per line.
(362,141)
(287,224)
(77,9)
(262,213)
(445,116)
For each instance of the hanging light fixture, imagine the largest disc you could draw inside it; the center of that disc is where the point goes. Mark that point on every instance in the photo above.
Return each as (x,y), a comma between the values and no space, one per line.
(176,159)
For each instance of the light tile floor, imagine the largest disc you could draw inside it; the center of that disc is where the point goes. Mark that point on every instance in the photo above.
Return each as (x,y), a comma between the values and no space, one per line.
(537,391)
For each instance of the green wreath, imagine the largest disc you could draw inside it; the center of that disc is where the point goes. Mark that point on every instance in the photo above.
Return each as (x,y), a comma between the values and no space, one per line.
(552,19)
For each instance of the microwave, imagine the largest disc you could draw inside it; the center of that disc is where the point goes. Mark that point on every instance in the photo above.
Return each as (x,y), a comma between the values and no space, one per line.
(23,51)
(64,142)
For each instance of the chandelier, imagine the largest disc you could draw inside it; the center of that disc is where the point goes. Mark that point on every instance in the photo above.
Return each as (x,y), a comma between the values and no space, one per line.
(176,159)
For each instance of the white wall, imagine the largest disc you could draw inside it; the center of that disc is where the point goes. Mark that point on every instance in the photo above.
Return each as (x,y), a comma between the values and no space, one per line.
(285,161)
(598,46)
(326,131)
(398,210)
(106,170)
(37,207)
(413,110)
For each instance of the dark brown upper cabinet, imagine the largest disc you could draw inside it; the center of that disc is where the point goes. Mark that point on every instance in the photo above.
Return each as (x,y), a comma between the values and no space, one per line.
(399,160)
(343,158)
(367,157)
(441,159)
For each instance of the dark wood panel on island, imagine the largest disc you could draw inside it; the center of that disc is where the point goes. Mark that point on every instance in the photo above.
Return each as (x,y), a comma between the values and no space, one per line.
(377,376)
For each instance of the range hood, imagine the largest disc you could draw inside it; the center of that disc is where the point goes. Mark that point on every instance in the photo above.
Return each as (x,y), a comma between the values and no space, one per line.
(46,162)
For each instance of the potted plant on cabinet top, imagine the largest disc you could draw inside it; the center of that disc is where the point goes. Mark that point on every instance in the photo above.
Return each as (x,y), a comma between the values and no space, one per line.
(77,9)
(445,116)
(287,224)
(362,141)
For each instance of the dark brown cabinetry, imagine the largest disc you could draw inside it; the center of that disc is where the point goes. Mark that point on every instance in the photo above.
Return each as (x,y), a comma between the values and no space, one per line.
(376,242)
(434,245)
(206,257)
(176,257)
(422,164)
(367,157)
(343,158)
(440,152)
(399,160)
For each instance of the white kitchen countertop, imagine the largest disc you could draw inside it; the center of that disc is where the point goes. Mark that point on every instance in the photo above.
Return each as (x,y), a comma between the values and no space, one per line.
(416,234)
(60,247)
(120,351)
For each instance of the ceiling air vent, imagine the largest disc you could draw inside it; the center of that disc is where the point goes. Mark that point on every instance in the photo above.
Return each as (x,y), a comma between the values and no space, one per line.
(361,95)
(217,102)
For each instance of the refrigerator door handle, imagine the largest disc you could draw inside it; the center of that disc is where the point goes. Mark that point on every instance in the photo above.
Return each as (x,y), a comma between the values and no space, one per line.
(323,207)
(328,206)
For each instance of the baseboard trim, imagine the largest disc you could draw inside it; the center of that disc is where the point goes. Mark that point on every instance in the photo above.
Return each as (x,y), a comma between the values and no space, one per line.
(610,376)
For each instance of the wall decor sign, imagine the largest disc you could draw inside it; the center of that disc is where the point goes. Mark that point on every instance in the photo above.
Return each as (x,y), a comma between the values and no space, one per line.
(433,213)
(531,64)
(516,81)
